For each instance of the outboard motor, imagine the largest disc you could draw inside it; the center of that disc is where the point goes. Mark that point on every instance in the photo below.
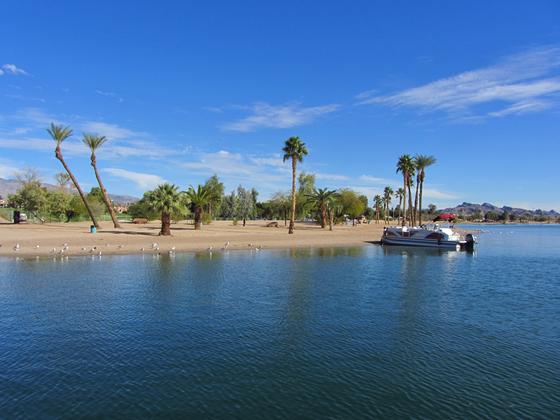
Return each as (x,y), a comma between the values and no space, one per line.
(471,240)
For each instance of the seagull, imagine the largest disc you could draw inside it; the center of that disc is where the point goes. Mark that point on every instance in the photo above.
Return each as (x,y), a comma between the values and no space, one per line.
(16,248)
(120,246)
(226,245)
(210,248)
(155,245)
(65,244)
(142,249)
(36,246)
(53,250)
(250,245)
(83,248)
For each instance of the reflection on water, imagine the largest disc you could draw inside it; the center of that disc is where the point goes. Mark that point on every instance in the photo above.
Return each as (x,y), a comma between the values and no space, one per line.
(335,332)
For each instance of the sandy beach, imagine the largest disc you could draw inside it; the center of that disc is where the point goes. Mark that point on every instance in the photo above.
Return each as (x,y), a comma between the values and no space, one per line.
(139,238)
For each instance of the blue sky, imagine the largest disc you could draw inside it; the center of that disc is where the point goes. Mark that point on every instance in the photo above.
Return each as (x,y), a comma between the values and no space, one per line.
(187,89)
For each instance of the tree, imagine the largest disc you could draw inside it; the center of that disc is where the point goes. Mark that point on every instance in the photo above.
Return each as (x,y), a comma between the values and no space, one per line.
(245,204)
(352,204)
(198,199)
(62,180)
(320,199)
(378,201)
(31,197)
(280,203)
(95,142)
(405,165)
(165,199)
(294,150)
(431,209)
(387,195)
(59,134)
(400,194)
(215,190)
(422,162)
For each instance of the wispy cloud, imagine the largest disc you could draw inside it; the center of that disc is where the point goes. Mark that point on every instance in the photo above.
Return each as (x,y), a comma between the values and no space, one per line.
(144,181)
(525,82)
(110,95)
(264,115)
(12,69)
(7,170)
(111,131)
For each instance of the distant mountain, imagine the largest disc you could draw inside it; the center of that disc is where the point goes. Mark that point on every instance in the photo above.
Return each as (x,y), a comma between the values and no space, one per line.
(470,209)
(10,186)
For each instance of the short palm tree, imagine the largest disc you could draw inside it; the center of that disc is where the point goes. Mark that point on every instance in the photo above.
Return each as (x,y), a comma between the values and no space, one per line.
(387,195)
(320,199)
(422,162)
(294,150)
(59,134)
(405,165)
(94,142)
(198,199)
(165,199)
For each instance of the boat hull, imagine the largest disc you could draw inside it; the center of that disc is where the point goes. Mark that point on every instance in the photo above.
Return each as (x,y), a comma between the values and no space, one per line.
(426,243)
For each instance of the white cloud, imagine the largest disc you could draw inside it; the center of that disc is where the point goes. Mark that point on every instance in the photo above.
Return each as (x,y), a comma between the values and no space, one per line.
(438,195)
(111,131)
(7,170)
(12,69)
(142,180)
(110,95)
(330,177)
(526,82)
(279,116)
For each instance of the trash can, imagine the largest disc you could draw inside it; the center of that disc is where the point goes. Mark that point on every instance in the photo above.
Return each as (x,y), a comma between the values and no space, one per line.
(17,218)
(92,229)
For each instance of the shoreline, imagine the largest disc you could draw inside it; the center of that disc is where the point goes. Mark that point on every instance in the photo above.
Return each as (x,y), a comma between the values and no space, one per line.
(139,239)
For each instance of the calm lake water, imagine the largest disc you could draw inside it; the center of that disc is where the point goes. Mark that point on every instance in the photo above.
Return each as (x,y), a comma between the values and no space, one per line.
(342,333)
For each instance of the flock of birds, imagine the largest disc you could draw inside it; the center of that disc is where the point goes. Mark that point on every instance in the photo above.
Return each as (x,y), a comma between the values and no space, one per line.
(154,248)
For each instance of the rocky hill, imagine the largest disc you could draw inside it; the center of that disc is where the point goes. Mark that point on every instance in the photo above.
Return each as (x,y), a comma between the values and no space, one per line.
(10,186)
(470,209)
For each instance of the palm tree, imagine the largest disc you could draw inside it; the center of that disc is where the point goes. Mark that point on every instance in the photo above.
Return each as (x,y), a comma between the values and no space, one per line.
(295,150)
(405,165)
(422,162)
(400,194)
(166,199)
(94,142)
(59,134)
(198,199)
(320,199)
(387,195)
(378,203)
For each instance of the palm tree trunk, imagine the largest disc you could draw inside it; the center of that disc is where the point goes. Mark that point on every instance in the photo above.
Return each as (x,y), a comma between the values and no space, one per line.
(330,214)
(75,182)
(410,208)
(165,224)
(323,216)
(293,215)
(110,208)
(404,201)
(197,218)
(420,209)
(416,199)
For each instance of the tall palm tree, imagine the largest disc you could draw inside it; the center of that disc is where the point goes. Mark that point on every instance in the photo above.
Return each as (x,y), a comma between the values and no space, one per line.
(59,134)
(422,162)
(405,165)
(165,199)
(387,195)
(294,149)
(198,199)
(320,199)
(94,142)
(378,201)
(400,194)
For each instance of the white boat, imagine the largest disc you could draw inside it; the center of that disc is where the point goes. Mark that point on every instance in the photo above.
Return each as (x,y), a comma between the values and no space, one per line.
(431,235)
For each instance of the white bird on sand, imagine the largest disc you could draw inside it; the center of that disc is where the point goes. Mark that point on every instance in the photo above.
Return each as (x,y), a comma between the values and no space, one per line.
(173,248)
(155,245)
(226,245)
(16,247)
(53,250)
(142,249)
(250,245)
(83,248)
(120,246)
(210,248)
(65,244)
(36,246)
